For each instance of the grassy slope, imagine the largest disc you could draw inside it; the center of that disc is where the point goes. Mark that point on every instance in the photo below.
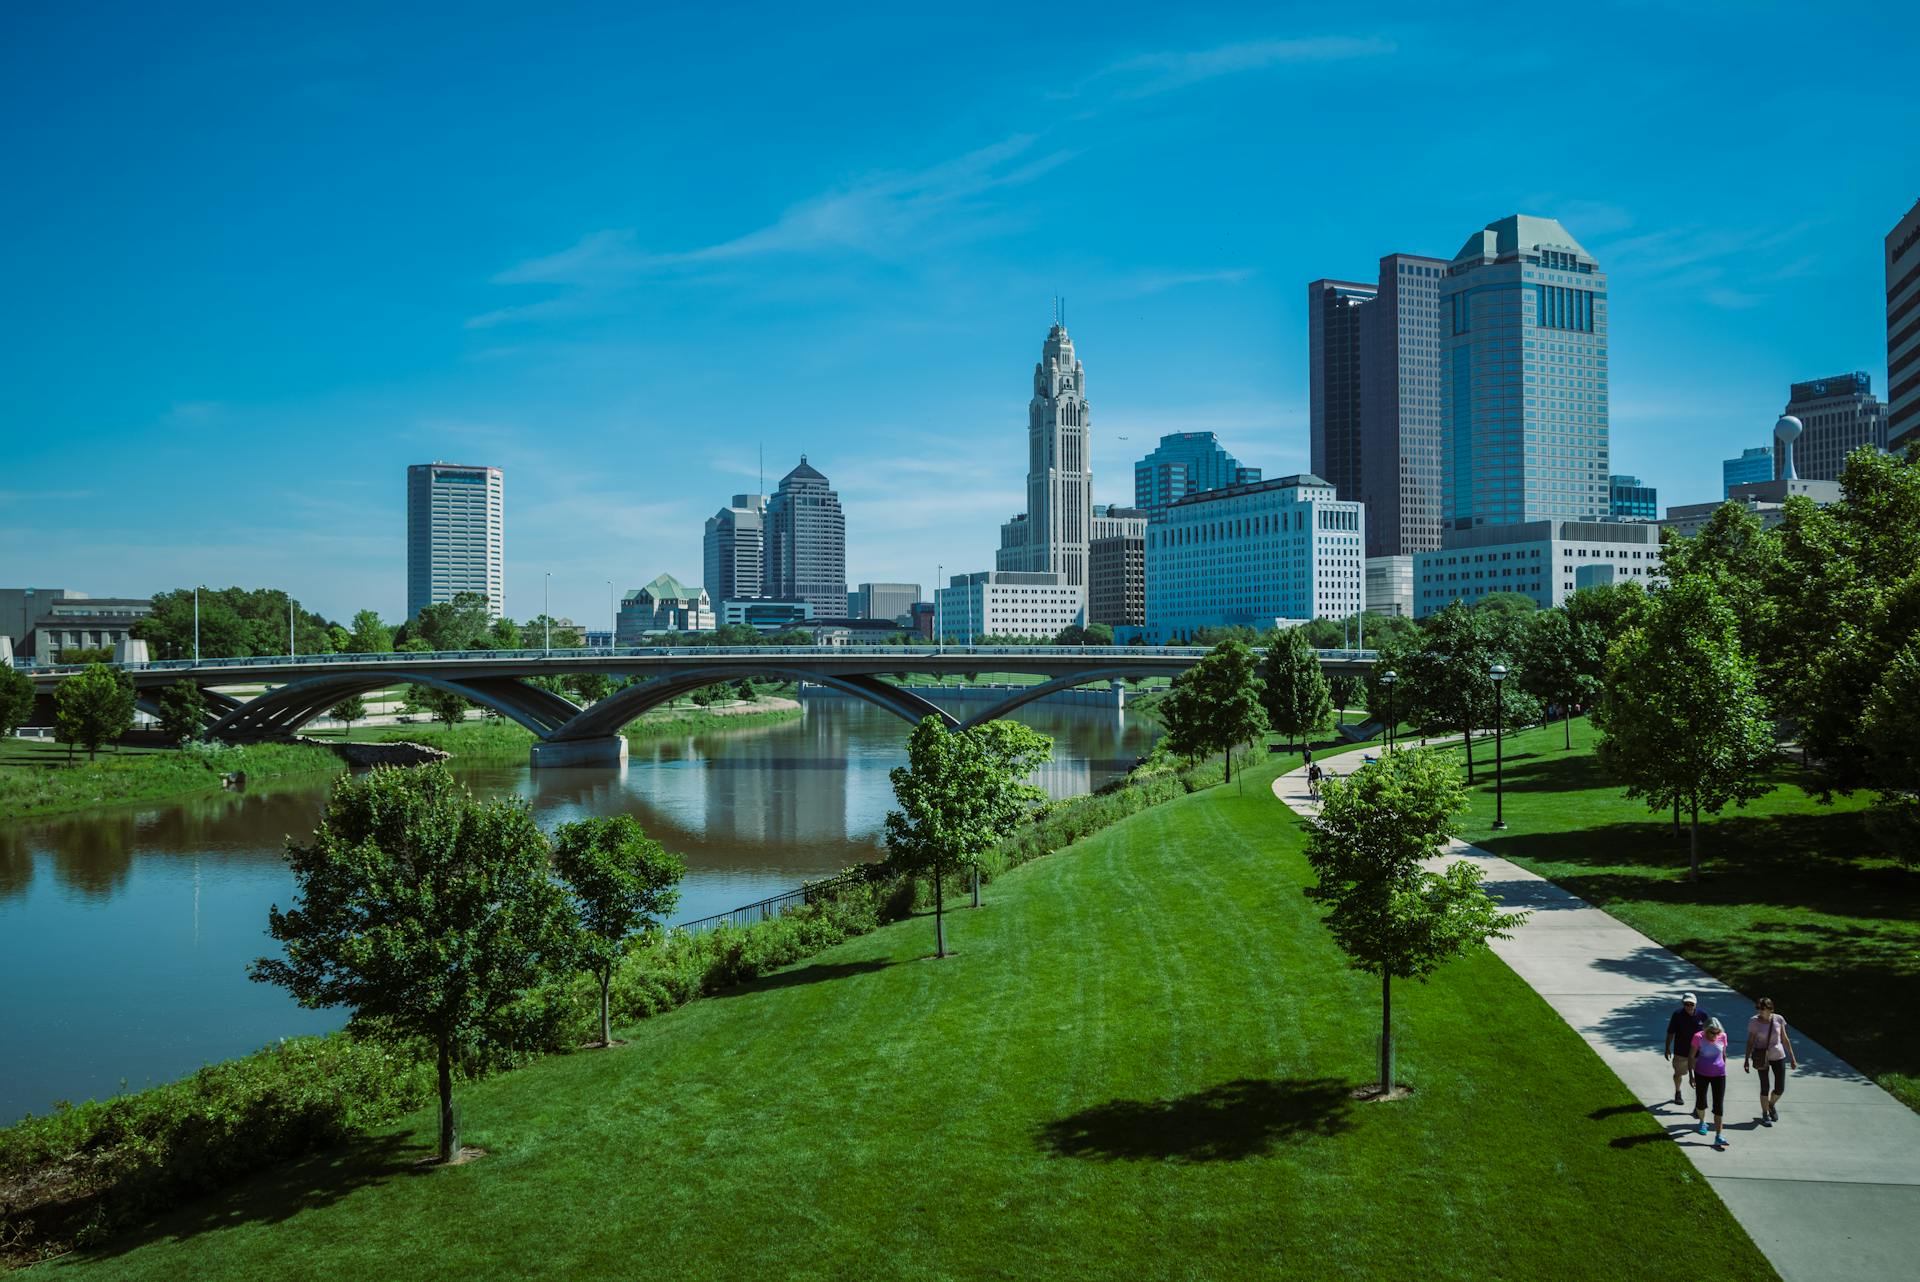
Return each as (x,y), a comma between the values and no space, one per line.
(35,778)
(1137,1066)
(1792,902)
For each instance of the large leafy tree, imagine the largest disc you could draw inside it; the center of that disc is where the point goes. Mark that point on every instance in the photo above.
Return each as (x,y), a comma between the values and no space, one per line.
(1368,847)
(183,711)
(1552,667)
(623,883)
(420,906)
(349,710)
(16,700)
(1737,557)
(1682,722)
(459,624)
(1293,688)
(1215,705)
(234,623)
(92,707)
(1445,682)
(1344,687)
(442,705)
(369,635)
(959,793)
(1892,728)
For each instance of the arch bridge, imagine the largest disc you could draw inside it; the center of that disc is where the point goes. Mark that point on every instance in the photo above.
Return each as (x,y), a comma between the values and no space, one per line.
(301,688)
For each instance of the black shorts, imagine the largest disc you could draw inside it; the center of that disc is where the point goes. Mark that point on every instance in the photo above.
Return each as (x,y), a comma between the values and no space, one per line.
(1702,1087)
(1779,1067)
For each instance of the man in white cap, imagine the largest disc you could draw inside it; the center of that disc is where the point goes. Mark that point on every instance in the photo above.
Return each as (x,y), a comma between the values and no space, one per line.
(1681,1026)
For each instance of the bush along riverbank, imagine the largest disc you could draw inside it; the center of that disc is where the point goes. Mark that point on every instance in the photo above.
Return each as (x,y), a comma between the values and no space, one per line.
(85,1172)
(36,779)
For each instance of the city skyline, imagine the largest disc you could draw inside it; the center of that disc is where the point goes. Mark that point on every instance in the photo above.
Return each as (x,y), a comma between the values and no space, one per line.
(394,274)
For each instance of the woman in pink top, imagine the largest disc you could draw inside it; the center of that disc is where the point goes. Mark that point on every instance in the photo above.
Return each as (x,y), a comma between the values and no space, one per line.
(1769,1046)
(1708,1064)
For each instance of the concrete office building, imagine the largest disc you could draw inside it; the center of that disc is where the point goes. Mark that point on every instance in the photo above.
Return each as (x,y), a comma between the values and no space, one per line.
(1333,366)
(883,601)
(42,623)
(807,542)
(765,614)
(1765,501)
(1632,499)
(664,605)
(1390,585)
(1903,332)
(1185,463)
(1545,560)
(1117,588)
(1051,537)
(1838,415)
(735,548)
(19,607)
(456,535)
(1113,521)
(1008,603)
(1754,464)
(1523,378)
(1253,555)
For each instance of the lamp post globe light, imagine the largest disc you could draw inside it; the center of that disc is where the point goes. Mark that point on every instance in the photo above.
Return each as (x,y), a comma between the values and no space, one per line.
(1387,679)
(1499,674)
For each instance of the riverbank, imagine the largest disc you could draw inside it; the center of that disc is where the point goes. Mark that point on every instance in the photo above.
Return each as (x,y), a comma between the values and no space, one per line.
(36,779)
(498,740)
(1140,1047)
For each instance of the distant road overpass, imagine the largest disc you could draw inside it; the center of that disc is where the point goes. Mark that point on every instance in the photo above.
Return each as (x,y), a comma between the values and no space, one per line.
(303,687)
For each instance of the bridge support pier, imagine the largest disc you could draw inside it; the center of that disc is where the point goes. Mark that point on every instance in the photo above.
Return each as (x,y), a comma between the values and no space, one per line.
(610,751)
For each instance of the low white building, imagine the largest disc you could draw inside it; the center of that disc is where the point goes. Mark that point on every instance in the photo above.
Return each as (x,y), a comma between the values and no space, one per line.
(1007,603)
(1249,555)
(1545,560)
(1390,585)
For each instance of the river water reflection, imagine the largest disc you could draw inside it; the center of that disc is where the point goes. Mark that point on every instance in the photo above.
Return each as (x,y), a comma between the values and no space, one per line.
(124,938)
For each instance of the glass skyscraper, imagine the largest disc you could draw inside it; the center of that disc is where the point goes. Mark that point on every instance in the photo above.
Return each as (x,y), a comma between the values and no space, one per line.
(1334,309)
(1755,464)
(1185,463)
(1633,499)
(1523,378)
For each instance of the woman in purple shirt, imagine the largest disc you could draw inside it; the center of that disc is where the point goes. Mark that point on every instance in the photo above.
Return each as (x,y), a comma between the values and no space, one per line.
(1708,1065)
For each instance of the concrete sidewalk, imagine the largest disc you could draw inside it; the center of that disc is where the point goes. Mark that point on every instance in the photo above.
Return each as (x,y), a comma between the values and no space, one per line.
(1830,1192)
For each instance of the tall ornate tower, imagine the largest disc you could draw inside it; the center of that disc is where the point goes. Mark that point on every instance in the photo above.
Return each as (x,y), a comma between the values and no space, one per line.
(1059,519)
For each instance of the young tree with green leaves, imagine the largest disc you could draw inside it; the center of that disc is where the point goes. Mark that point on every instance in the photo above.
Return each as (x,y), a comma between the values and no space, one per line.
(1293,687)
(1375,830)
(591,687)
(349,710)
(183,711)
(959,793)
(418,905)
(16,700)
(623,883)
(1344,688)
(92,707)
(743,691)
(368,635)
(459,624)
(1682,721)
(440,704)
(1215,704)
(1550,666)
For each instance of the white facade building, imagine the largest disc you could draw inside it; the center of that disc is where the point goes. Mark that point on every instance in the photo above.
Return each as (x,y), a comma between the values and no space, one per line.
(1390,585)
(1545,560)
(1250,555)
(1007,603)
(456,539)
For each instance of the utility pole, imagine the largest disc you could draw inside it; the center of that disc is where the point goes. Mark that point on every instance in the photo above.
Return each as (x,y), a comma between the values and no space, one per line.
(546,612)
(290,644)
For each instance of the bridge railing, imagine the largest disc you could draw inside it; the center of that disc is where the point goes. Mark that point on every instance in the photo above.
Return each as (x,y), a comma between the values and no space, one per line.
(768,908)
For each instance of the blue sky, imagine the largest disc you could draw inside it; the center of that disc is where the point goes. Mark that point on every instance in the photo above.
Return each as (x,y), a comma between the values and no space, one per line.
(258,260)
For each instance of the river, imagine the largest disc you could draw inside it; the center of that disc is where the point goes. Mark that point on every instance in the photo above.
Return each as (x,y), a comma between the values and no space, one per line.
(124,936)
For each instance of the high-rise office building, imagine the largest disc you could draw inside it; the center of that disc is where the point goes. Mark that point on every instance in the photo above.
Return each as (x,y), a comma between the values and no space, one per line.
(1333,363)
(807,542)
(1110,520)
(735,546)
(456,539)
(1117,580)
(1185,463)
(1903,332)
(1523,378)
(1755,464)
(1631,499)
(1838,415)
(882,600)
(1053,536)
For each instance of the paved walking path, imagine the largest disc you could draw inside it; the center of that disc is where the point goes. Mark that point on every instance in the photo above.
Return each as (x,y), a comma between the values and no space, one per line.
(1830,1192)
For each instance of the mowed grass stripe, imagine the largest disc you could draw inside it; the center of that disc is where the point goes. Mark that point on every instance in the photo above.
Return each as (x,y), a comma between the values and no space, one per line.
(1137,1065)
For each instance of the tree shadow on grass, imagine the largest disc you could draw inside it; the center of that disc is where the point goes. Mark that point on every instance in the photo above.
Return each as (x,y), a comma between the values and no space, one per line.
(278,1193)
(1225,1123)
(818,972)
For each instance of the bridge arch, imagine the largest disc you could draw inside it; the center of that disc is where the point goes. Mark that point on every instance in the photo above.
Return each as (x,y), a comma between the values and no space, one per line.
(1027,694)
(617,709)
(293,705)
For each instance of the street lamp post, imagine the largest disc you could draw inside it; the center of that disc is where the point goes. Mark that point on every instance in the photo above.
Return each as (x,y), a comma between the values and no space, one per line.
(196,625)
(1387,679)
(613,618)
(546,611)
(1499,674)
(939,634)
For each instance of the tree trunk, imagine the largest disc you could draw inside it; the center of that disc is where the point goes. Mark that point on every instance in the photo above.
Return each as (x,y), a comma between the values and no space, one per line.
(1676,814)
(1567,711)
(1693,845)
(1469,752)
(606,1007)
(1386,1032)
(976,886)
(1229,778)
(449,1133)
(939,920)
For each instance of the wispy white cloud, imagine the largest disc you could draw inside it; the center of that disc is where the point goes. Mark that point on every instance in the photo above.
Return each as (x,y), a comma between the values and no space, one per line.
(1147,74)
(1146,284)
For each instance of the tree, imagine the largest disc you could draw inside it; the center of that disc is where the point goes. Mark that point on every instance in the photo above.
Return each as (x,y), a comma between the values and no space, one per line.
(1550,666)
(419,905)
(590,686)
(1293,688)
(92,707)
(1892,729)
(441,705)
(458,624)
(368,635)
(959,793)
(1682,721)
(183,711)
(540,631)
(623,883)
(349,710)
(1445,683)
(16,700)
(234,622)
(744,692)
(1215,704)
(1375,830)
(1344,687)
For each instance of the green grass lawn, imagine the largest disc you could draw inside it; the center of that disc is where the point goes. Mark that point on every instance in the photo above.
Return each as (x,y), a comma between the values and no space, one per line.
(37,779)
(1138,1065)
(1794,901)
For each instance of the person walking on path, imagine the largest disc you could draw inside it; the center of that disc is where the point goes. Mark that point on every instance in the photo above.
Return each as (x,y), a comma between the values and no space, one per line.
(1681,1026)
(1708,1064)
(1769,1046)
